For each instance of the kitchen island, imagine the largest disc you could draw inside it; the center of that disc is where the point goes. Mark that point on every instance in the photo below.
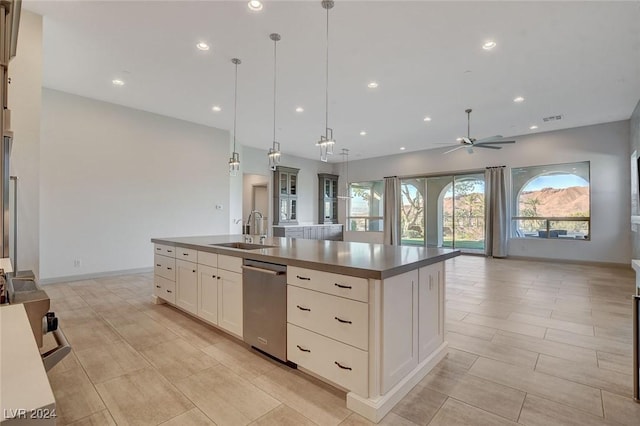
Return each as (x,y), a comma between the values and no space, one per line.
(366,318)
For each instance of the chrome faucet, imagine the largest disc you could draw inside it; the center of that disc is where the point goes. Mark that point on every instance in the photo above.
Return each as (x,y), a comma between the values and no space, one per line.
(246,230)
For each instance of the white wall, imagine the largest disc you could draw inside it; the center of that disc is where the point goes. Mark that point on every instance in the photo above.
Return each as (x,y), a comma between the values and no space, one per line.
(114,177)
(25,71)
(606,146)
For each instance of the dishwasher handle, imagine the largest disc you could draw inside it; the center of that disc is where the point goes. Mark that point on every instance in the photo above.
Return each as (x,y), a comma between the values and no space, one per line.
(264,271)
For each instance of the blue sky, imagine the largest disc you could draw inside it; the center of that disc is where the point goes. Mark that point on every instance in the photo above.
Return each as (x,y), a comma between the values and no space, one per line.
(555,181)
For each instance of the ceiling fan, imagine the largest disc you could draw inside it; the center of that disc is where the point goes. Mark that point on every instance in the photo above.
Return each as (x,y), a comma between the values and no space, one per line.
(469,143)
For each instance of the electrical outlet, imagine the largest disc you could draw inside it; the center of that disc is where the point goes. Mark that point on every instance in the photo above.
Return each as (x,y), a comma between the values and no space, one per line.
(77,263)
(218,206)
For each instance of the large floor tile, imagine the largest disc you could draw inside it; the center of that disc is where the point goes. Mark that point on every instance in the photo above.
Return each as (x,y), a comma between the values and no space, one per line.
(460,414)
(76,398)
(467,329)
(573,327)
(420,405)
(590,342)
(145,332)
(101,418)
(106,362)
(543,346)
(317,401)
(620,409)
(90,335)
(283,415)
(538,411)
(492,350)
(506,325)
(142,398)
(611,381)
(240,359)
(193,417)
(177,359)
(225,397)
(391,419)
(579,396)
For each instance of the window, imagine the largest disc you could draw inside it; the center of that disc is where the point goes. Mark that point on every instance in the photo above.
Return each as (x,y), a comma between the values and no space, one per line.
(551,201)
(366,206)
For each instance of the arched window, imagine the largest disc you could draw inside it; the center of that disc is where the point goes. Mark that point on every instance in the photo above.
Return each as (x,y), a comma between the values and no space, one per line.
(551,201)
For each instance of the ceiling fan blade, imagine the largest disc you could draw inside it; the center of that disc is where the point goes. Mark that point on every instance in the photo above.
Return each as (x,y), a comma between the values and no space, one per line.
(494,142)
(490,138)
(455,149)
(487,146)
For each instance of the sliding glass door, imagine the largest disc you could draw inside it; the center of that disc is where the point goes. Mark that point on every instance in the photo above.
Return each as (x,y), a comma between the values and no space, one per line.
(444,211)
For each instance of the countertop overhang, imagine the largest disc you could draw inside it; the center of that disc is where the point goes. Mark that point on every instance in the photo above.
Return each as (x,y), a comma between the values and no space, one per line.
(363,260)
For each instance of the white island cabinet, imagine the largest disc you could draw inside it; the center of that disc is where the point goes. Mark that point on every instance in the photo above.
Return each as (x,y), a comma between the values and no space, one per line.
(366,318)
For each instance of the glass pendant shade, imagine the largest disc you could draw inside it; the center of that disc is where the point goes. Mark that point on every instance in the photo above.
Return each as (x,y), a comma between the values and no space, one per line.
(274,152)
(234,164)
(234,160)
(274,155)
(327,141)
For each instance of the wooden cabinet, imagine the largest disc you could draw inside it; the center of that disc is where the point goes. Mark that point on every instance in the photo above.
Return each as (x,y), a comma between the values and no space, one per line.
(328,326)
(208,293)
(187,286)
(285,193)
(230,301)
(316,232)
(327,198)
(431,309)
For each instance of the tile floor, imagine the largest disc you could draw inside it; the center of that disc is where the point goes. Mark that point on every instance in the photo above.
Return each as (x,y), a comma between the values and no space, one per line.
(530,343)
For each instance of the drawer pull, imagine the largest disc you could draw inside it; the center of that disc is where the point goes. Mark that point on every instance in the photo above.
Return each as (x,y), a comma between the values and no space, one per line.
(342,366)
(169,291)
(303,278)
(213,276)
(185,254)
(169,251)
(342,286)
(159,249)
(303,349)
(194,270)
(157,264)
(303,309)
(157,286)
(169,268)
(343,321)
(218,277)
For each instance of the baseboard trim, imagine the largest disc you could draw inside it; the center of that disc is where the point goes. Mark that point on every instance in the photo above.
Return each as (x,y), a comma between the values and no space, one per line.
(573,262)
(374,409)
(70,278)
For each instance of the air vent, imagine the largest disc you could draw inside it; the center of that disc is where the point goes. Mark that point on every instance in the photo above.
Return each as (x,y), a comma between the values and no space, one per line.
(552,118)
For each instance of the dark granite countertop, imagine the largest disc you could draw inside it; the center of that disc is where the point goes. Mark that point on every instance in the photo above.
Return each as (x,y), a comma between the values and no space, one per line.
(357,259)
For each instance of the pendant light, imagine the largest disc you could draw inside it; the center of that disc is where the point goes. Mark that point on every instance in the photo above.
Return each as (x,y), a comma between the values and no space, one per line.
(274,151)
(326,141)
(234,161)
(345,168)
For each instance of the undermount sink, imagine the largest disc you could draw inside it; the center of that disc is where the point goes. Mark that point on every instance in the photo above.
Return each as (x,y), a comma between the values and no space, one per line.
(242,246)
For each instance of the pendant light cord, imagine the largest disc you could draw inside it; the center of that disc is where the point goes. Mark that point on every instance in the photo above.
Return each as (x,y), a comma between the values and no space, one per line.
(235,108)
(326,118)
(275,60)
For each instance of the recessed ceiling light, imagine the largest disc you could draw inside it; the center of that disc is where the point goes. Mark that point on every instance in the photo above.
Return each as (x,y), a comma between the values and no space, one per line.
(489,45)
(518,99)
(372,85)
(363,133)
(216,108)
(255,5)
(427,118)
(202,46)
(117,82)
(402,148)
(533,127)
(299,109)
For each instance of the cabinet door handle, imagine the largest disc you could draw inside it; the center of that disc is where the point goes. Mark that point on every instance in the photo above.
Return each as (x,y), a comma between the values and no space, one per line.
(169,251)
(343,321)
(303,309)
(169,291)
(169,268)
(342,286)
(303,349)
(194,270)
(218,277)
(157,264)
(213,276)
(157,286)
(159,249)
(185,254)
(303,278)
(342,366)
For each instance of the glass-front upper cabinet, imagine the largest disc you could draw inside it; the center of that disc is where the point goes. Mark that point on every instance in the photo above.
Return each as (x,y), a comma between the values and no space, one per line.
(285,192)
(328,198)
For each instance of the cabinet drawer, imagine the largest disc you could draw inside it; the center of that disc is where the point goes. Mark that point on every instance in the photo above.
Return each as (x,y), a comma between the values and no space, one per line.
(164,288)
(342,364)
(341,319)
(209,259)
(230,263)
(165,250)
(165,267)
(326,282)
(294,233)
(186,254)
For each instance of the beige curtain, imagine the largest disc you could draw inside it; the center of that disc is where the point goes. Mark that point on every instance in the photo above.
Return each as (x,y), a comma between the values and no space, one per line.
(496,217)
(391,217)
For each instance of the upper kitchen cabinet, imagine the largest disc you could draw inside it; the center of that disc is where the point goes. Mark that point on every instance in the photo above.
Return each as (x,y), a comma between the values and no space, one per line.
(285,193)
(328,198)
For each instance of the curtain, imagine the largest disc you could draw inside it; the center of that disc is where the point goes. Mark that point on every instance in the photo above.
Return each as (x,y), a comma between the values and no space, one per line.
(496,218)
(391,217)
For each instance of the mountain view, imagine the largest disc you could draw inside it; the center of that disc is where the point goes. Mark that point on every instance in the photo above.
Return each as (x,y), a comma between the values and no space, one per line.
(552,202)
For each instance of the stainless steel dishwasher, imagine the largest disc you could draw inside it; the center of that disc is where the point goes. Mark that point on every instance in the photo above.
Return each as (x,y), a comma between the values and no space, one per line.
(264,295)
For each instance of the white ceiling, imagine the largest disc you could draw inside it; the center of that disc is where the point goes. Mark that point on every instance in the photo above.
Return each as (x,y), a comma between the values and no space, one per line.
(579,59)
